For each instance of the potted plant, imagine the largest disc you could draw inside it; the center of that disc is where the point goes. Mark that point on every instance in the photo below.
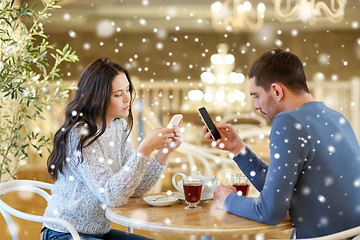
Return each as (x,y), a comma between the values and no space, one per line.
(30,81)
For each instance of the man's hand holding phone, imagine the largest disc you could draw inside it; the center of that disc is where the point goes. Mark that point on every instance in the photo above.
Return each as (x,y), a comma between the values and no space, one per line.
(211,128)
(226,137)
(229,141)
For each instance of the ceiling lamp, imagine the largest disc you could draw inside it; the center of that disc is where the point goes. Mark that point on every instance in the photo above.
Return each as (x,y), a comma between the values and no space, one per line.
(237,15)
(309,11)
(221,84)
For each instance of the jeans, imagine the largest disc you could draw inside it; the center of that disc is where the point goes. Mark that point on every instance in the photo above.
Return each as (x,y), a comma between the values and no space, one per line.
(48,234)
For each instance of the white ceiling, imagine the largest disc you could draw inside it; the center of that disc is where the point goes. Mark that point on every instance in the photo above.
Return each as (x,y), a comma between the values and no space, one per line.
(188,15)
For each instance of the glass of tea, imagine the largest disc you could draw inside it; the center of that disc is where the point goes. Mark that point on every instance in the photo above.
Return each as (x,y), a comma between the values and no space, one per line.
(241,183)
(192,191)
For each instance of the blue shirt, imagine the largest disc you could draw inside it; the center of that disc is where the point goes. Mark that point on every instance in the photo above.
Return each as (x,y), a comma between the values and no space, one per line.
(314,173)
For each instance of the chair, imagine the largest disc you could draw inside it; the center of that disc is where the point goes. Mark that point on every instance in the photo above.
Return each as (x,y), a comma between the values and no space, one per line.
(335,236)
(29,186)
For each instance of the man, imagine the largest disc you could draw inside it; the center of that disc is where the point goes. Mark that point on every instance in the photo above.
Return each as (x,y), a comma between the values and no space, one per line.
(314,168)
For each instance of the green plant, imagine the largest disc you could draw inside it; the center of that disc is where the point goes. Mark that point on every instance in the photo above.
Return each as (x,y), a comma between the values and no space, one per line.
(30,80)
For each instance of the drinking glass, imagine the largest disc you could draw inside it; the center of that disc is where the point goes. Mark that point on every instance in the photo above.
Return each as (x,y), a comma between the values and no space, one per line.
(241,183)
(192,191)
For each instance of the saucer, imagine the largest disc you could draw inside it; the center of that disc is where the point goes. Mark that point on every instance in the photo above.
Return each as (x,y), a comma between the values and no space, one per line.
(203,198)
(160,200)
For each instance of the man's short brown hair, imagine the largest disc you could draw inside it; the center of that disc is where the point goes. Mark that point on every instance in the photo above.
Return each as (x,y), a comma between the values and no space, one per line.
(279,66)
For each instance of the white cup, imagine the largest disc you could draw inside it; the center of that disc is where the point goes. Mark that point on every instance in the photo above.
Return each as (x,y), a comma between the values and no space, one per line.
(178,185)
(210,185)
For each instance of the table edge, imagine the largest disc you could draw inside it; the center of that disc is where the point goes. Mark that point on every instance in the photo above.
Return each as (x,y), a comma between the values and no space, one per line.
(156,227)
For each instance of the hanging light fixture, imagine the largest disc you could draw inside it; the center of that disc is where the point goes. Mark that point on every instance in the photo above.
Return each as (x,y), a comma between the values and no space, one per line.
(237,15)
(220,82)
(309,11)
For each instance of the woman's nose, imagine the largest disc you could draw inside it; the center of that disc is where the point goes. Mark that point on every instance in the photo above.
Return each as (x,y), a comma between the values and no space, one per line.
(127,97)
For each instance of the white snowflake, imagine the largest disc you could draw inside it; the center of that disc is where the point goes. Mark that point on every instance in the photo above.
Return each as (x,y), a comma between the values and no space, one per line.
(239,193)
(306,191)
(328,181)
(331,149)
(321,198)
(77,153)
(298,126)
(357,182)
(323,221)
(338,137)
(105,28)
(83,131)
(55,212)
(72,34)
(243,152)
(357,209)
(167,221)
(67,16)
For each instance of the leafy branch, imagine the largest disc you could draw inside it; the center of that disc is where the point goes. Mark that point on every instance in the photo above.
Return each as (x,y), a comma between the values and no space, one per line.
(28,82)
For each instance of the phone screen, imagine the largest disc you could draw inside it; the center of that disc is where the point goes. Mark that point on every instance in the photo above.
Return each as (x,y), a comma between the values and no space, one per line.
(209,123)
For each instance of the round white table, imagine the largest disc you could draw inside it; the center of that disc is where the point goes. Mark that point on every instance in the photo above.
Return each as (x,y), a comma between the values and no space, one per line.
(207,221)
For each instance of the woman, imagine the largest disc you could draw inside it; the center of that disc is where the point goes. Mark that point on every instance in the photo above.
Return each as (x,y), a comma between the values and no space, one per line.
(93,160)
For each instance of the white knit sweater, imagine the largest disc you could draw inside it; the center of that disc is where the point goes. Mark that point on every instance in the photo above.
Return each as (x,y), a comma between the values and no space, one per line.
(111,173)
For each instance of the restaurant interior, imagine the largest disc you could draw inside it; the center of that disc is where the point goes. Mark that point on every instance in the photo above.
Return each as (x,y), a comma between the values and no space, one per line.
(183,55)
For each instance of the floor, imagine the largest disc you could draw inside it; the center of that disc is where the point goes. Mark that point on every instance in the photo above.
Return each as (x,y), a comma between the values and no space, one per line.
(31,230)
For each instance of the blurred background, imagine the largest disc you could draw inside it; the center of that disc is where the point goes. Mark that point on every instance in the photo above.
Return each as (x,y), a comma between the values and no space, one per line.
(182,55)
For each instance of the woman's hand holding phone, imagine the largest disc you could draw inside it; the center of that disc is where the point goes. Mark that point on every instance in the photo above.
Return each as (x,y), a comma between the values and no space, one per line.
(156,139)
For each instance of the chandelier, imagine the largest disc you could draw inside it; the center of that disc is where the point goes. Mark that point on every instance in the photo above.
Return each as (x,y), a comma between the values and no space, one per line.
(237,15)
(309,11)
(221,84)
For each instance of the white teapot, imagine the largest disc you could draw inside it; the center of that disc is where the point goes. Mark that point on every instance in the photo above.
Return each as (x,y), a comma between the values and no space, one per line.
(210,184)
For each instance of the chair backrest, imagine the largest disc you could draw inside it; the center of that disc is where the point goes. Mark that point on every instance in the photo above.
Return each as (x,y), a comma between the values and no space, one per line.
(29,186)
(335,236)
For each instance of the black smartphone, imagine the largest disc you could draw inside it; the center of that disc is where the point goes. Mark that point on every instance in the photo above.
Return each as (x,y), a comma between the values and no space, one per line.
(209,123)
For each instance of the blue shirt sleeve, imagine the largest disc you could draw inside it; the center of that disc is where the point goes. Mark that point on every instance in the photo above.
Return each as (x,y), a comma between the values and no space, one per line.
(289,151)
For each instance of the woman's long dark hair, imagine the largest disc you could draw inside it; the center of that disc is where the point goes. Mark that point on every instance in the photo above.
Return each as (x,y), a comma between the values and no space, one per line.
(92,98)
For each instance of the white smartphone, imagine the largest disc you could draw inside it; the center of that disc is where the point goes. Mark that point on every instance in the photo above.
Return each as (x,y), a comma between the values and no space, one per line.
(209,123)
(175,121)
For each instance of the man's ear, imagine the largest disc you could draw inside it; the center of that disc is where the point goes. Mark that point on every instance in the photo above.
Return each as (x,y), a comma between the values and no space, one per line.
(277,91)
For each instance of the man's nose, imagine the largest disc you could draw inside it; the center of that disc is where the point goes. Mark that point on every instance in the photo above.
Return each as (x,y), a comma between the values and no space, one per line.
(257,106)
